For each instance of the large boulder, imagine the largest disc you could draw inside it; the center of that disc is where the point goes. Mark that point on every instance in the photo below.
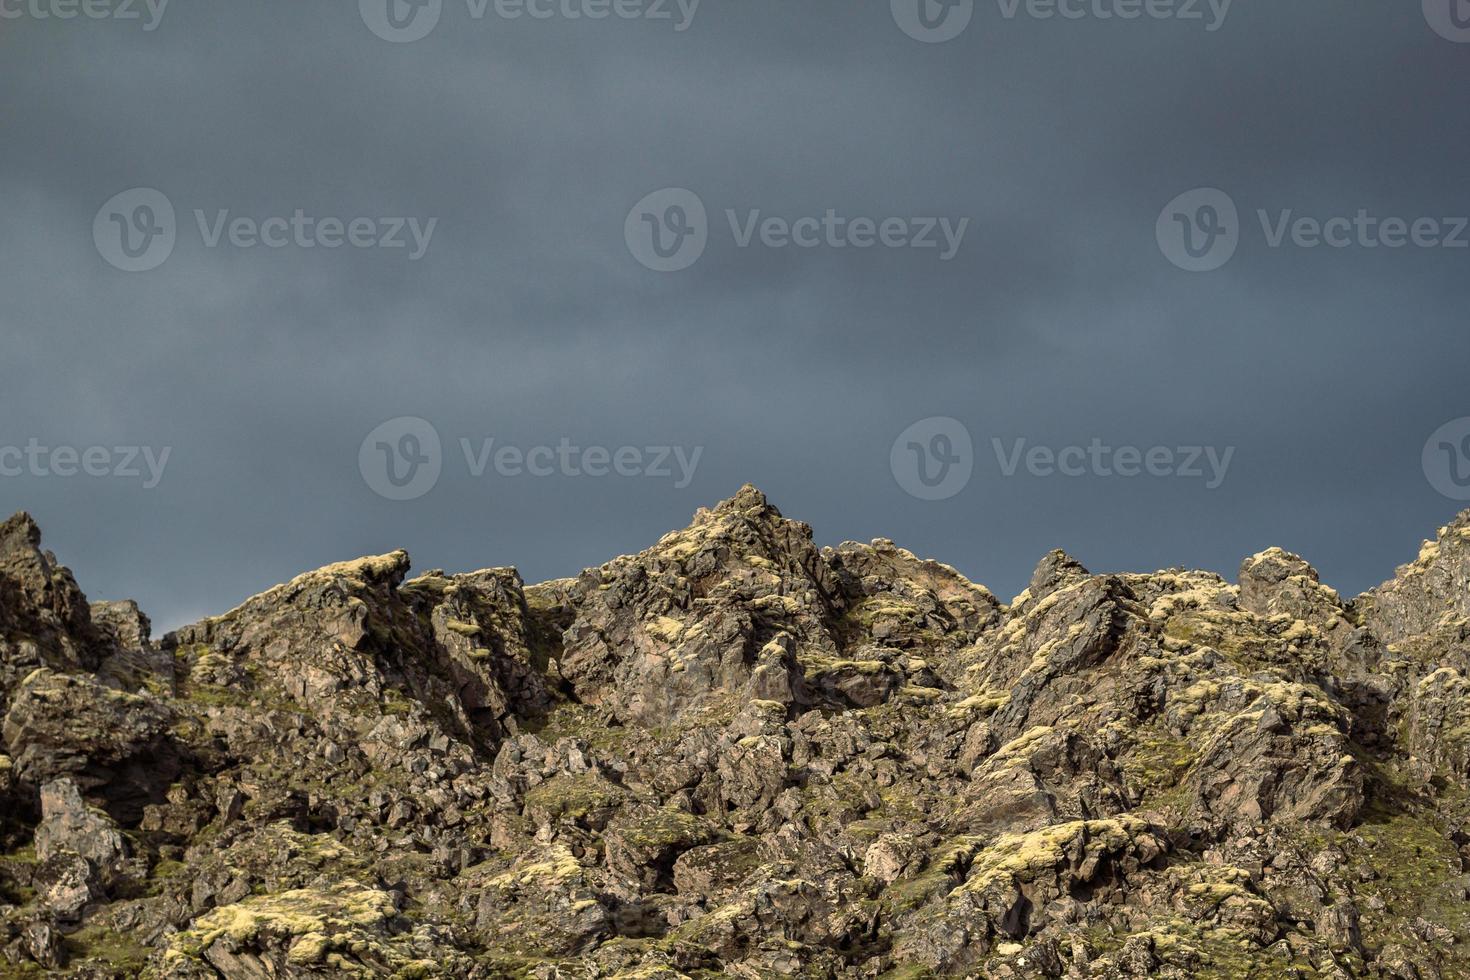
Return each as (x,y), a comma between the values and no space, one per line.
(116,747)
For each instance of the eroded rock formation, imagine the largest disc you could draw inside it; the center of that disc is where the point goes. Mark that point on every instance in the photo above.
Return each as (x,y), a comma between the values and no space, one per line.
(739,754)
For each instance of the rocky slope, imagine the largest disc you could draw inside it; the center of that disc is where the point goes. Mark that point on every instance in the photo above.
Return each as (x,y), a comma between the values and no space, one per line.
(737,754)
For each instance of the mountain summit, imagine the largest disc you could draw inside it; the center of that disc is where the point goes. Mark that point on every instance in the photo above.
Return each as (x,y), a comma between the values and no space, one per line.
(736,753)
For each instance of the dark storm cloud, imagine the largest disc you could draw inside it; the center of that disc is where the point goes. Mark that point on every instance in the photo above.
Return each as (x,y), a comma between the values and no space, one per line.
(528,320)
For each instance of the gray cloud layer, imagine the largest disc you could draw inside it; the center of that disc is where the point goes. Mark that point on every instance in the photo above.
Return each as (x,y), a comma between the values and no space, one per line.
(528,320)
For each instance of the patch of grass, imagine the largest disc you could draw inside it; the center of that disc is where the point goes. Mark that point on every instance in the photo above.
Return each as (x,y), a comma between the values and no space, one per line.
(574,797)
(1156,765)
(116,951)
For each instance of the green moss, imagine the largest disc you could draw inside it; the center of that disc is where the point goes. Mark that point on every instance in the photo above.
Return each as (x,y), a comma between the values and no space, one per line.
(558,865)
(469,630)
(573,797)
(908,973)
(945,869)
(160,875)
(115,951)
(1022,857)
(667,827)
(981,705)
(11,890)
(212,696)
(819,667)
(317,922)
(1416,866)
(1018,750)
(1156,764)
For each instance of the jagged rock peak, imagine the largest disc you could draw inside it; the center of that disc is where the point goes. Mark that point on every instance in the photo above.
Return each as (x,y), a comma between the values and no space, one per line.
(1056,571)
(1430,594)
(19,529)
(1277,582)
(390,569)
(44,617)
(23,561)
(1450,544)
(748,500)
(1275,565)
(384,573)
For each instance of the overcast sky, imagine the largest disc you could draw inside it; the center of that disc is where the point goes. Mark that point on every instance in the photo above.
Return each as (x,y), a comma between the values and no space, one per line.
(525,310)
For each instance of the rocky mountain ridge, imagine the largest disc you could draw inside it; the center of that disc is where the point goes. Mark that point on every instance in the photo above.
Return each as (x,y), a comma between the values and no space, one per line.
(739,754)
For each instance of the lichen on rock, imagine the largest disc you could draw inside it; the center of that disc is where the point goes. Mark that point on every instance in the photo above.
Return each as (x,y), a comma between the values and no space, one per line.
(737,753)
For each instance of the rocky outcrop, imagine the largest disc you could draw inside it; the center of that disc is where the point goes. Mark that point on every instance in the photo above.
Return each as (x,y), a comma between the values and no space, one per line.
(671,630)
(1431,595)
(737,753)
(115,745)
(134,663)
(44,618)
(344,929)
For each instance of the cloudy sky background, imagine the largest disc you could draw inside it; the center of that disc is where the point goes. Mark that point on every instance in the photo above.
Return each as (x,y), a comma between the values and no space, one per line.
(528,320)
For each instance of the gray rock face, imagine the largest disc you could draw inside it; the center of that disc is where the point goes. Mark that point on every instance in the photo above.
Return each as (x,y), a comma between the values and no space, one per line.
(66,883)
(1430,595)
(672,629)
(69,825)
(738,754)
(112,744)
(44,618)
(124,623)
(133,663)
